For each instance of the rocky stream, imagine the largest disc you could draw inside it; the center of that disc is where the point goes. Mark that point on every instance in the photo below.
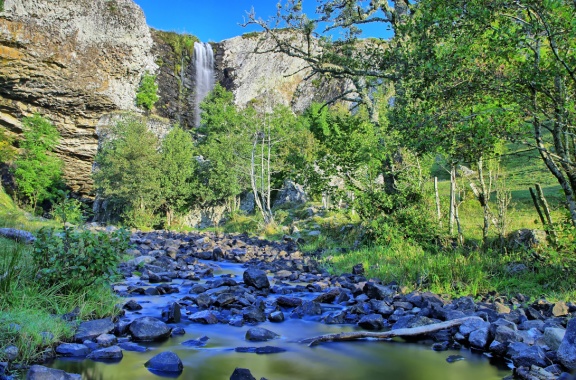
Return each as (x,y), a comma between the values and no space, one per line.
(207,306)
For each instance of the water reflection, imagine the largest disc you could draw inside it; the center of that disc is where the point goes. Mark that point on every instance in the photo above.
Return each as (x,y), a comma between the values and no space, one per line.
(338,361)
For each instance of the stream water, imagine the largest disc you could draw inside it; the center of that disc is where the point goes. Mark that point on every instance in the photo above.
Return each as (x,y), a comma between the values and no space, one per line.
(218,359)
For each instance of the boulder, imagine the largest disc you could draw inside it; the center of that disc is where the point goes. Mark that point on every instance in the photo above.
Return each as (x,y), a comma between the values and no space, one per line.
(256,278)
(290,193)
(72,350)
(288,301)
(372,322)
(38,372)
(308,308)
(276,316)
(92,329)
(165,362)
(258,334)
(378,292)
(479,338)
(200,342)
(530,356)
(553,337)
(129,346)
(205,317)
(172,313)
(567,349)
(113,353)
(526,238)
(106,340)
(148,329)
(132,305)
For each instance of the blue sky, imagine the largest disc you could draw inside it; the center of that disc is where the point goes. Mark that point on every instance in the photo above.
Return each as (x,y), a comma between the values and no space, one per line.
(218,20)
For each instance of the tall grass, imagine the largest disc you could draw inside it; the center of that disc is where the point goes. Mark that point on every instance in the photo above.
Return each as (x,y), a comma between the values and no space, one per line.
(457,272)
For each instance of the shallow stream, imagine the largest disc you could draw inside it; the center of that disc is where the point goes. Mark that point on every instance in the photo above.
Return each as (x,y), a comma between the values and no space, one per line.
(346,361)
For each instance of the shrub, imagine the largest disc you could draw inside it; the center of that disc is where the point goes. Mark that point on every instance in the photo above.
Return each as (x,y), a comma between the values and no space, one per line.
(38,171)
(74,259)
(68,210)
(147,94)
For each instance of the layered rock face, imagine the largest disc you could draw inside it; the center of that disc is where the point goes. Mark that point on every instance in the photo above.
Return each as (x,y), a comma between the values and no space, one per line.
(72,61)
(268,79)
(79,62)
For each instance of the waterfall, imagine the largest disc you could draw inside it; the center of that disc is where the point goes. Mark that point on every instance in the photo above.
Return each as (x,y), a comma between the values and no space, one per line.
(204,64)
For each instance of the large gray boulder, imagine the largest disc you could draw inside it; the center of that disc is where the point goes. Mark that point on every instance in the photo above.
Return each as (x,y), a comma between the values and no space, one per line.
(165,362)
(148,329)
(256,278)
(291,193)
(93,329)
(567,349)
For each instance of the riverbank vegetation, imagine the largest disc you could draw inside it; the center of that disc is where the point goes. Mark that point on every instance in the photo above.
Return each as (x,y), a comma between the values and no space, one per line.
(44,289)
(446,165)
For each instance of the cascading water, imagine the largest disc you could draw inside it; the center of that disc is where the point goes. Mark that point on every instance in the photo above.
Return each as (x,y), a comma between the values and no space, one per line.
(204,65)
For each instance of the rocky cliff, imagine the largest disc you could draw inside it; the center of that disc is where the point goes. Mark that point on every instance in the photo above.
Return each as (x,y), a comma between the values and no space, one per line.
(270,78)
(73,61)
(76,62)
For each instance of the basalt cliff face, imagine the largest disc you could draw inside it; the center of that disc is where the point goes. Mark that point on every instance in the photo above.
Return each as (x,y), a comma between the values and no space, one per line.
(79,62)
(270,78)
(73,61)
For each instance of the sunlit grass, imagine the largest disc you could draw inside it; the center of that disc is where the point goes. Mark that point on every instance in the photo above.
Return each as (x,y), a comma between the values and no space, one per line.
(457,273)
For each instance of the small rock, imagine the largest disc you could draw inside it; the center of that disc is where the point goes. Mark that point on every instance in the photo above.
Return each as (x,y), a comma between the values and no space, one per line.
(165,362)
(258,334)
(288,301)
(242,374)
(11,352)
(454,358)
(109,353)
(261,350)
(106,340)
(200,342)
(276,316)
(132,305)
(205,317)
(172,313)
(372,322)
(129,346)
(560,309)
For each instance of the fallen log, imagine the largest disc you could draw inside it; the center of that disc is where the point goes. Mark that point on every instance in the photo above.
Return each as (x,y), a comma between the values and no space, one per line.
(414,331)
(18,235)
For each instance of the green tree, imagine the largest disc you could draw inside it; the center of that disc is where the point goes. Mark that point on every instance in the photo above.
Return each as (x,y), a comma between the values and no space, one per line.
(517,54)
(129,170)
(37,169)
(147,94)
(177,167)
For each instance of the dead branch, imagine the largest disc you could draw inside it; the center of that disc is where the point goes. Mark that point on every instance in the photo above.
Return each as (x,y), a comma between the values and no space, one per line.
(414,331)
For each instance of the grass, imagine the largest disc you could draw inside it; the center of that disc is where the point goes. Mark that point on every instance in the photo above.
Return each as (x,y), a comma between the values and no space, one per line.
(458,273)
(30,313)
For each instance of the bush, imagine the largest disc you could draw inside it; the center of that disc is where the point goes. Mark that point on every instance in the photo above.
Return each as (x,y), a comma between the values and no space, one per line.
(68,210)
(74,259)
(147,94)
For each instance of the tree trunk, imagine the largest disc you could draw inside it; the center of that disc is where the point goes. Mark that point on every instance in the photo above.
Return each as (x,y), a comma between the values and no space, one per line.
(415,331)
(452,199)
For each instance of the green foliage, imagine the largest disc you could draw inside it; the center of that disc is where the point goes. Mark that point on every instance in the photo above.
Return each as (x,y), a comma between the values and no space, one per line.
(1,5)
(68,210)
(37,170)
(75,259)
(128,170)
(177,167)
(10,260)
(182,44)
(147,94)
(7,150)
